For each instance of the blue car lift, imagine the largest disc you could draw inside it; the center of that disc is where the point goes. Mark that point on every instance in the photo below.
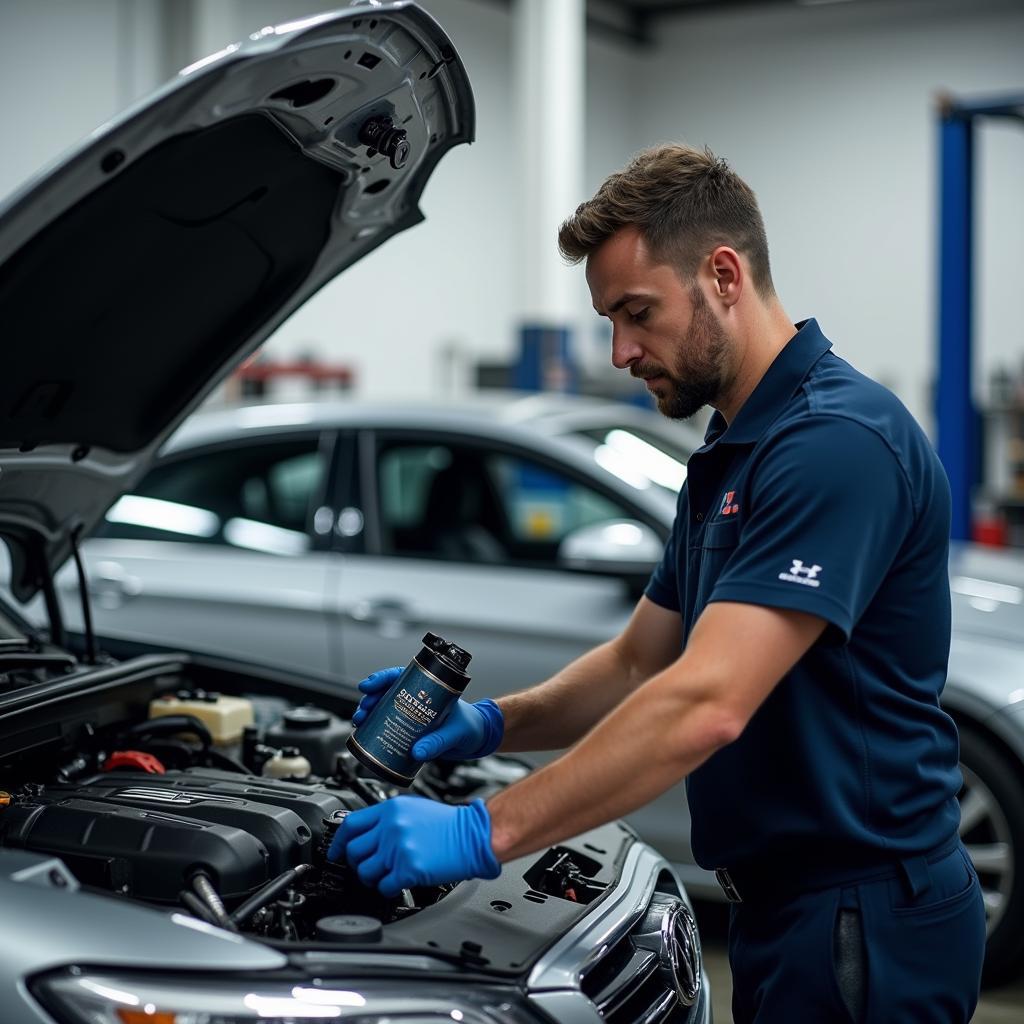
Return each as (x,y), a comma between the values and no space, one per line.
(956,417)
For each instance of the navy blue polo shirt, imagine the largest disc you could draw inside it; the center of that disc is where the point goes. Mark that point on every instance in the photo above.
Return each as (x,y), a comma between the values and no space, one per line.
(824,496)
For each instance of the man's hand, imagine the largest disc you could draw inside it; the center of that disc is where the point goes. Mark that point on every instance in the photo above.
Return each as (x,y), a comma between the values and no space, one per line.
(411,841)
(466,732)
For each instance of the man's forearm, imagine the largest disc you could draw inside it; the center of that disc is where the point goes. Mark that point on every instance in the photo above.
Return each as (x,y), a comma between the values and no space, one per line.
(556,713)
(660,733)
(653,740)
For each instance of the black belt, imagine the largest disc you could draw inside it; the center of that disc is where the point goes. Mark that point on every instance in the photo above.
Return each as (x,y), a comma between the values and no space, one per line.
(777,881)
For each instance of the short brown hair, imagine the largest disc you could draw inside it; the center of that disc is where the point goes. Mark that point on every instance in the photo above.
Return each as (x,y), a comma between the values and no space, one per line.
(685,201)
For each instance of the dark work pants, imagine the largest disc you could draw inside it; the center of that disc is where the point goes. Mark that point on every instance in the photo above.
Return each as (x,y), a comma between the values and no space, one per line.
(906,949)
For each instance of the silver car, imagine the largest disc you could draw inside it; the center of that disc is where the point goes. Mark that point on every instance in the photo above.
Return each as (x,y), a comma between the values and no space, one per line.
(164,818)
(330,534)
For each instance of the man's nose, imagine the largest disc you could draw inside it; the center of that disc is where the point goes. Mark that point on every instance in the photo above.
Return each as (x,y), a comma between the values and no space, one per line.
(625,350)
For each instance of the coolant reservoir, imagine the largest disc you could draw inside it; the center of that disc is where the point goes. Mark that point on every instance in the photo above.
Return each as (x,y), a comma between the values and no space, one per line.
(224,716)
(318,734)
(287,763)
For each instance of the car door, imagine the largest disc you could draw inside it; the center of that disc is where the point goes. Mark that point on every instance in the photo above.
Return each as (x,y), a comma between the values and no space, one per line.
(215,551)
(462,539)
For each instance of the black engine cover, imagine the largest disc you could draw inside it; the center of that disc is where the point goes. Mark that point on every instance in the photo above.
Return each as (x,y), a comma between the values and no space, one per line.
(144,835)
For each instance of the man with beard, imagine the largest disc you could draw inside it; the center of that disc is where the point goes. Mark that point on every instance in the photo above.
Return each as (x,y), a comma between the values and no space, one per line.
(787,656)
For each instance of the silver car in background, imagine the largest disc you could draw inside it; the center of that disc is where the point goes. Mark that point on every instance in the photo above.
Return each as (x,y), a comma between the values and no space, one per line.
(330,535)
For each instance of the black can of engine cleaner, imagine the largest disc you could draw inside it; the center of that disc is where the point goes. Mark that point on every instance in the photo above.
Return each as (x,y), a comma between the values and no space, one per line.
(415,704)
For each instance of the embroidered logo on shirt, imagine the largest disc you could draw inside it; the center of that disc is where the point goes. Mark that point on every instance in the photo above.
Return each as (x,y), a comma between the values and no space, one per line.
(800,573)
(729,506)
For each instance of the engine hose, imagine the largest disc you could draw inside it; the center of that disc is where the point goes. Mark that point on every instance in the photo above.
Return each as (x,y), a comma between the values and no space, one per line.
(205,890)
(263,896)
(195,906)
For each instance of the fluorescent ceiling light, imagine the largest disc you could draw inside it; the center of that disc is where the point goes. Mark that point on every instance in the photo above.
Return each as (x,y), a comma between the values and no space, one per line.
(157,514)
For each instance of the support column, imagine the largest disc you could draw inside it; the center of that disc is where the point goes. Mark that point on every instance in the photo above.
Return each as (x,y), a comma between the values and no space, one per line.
(956,417)
(549,74)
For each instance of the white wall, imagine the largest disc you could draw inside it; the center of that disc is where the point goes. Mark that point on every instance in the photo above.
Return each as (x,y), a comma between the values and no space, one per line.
(65,68)
(829,113)
(827,110)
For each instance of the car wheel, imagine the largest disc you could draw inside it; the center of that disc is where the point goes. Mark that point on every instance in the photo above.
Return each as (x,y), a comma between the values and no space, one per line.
(992,829)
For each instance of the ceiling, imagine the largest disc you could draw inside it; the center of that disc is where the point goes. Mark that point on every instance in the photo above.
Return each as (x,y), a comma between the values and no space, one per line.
(634,20)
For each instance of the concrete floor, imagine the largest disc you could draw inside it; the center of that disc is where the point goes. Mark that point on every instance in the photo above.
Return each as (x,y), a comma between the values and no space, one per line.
(998,1006)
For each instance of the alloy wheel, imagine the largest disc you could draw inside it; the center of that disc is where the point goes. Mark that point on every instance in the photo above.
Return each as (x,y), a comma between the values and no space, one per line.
(986,835)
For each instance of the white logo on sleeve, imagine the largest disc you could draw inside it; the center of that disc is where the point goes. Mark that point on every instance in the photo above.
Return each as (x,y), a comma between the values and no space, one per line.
(804,574)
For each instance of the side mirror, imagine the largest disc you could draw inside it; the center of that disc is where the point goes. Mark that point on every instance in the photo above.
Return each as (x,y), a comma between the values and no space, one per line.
(616,547)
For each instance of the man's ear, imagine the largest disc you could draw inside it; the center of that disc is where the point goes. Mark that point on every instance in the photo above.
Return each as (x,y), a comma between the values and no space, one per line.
(728,275)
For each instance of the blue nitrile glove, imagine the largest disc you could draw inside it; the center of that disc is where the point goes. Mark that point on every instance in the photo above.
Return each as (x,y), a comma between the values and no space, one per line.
(409,841)
(468,730)
(373,688)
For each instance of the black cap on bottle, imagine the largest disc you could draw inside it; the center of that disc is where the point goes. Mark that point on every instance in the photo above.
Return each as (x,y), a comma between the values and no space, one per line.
(453,655)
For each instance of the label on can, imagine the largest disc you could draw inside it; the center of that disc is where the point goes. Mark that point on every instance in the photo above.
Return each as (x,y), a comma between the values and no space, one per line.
(415,704)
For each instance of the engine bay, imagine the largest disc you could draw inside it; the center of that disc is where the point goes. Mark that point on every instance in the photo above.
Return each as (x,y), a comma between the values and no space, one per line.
(222,805)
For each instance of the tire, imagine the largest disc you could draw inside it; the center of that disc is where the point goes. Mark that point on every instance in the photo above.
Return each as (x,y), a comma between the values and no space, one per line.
(992,829)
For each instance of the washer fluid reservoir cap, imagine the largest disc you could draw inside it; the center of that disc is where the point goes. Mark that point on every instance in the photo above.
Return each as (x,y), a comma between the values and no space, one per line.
(349,928)
(307,717)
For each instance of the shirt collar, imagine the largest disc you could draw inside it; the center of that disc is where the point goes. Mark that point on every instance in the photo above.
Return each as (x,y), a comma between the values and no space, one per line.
(774,390)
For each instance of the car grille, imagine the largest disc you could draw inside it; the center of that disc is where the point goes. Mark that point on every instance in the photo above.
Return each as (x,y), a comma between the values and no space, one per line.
(632,983)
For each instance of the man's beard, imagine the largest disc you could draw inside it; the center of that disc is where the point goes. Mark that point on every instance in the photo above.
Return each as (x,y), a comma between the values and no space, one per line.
(696,378)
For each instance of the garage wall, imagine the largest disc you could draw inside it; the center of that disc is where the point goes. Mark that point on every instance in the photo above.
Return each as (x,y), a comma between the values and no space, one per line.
(827,110)
(65,68)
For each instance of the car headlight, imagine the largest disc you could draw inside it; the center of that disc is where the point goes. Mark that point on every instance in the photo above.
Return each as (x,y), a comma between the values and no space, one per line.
(88,997)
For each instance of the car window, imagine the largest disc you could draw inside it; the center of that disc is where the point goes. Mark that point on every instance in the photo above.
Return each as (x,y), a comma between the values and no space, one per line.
(544,505)
(638,456)
(255,496)
(466,503)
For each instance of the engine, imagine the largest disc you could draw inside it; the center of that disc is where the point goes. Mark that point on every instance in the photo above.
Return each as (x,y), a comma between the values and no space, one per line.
(160,812)
(142,835)
(202,838)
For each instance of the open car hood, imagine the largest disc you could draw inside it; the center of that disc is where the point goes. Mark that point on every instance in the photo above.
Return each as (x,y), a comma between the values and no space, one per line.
(142,267)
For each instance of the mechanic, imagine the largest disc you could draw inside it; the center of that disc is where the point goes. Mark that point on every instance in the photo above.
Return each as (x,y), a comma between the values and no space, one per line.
(806,585)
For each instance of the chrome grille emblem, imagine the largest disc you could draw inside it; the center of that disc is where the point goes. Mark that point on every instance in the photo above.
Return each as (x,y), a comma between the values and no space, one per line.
(680,956)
